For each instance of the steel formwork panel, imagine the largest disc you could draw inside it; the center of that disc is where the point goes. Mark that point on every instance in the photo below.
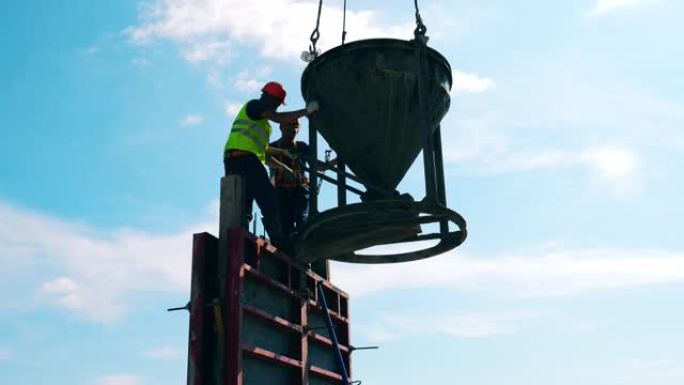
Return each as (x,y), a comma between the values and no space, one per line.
(256,318)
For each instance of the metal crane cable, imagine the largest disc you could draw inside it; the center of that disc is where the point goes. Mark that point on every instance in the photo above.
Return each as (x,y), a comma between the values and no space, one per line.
(315,34)
(344,22)
(419,32)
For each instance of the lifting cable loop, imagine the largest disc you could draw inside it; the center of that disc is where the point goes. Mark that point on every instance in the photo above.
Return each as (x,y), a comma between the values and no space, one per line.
(315,34)
(420,30)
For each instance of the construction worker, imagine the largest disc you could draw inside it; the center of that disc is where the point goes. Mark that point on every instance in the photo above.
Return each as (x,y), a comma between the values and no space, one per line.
(290,181)
(245,153)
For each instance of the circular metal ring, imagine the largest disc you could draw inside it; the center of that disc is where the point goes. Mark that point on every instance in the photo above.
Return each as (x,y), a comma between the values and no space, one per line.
(337,234)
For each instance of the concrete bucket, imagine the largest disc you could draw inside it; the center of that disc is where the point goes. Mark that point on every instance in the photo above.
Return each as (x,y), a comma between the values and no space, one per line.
(370,113)
(380,99)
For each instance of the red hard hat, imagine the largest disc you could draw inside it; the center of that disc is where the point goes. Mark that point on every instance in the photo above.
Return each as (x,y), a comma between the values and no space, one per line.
(275,89)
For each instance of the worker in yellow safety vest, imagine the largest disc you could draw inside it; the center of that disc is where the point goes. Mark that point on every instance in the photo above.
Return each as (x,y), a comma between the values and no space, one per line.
(246,149)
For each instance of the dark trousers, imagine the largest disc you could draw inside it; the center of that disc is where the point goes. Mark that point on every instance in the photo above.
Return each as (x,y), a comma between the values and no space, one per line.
(257,188)
(293,203)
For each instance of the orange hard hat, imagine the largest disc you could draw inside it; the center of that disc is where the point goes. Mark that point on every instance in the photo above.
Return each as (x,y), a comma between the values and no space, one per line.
(275,89)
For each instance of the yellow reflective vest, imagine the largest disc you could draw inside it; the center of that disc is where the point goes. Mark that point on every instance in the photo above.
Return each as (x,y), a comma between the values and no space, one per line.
(249,135)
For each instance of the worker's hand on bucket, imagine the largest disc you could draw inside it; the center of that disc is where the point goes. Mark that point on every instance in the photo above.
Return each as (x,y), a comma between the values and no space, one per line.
(311,107)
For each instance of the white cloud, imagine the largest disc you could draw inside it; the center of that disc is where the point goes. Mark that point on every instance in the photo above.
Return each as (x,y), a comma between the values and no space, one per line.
(584,326)
(213,31)
(379,332)
(550,273)
(469,82)
(603,7)
(192,120)
(282,31)
(567,118)
(244,82)
(652,364)
(504,159)
(62,285)
(164,353)
(90,50)
(96,271)
(218,51)
(658,370)
(458,325)
(615,166)
(215,78)
(141,62)
(612,162)
(232,109)
(65,292)
(117,379)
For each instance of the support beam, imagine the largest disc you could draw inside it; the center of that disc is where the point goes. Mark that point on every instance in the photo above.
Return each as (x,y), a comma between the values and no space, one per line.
(341,182)
(425,122)
(232,204)
(439,175)
(232,217)
(313,176)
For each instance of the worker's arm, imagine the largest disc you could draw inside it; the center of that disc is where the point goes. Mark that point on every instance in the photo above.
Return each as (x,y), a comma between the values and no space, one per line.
(291,116)
(285,117)
(270,151)
(275,164)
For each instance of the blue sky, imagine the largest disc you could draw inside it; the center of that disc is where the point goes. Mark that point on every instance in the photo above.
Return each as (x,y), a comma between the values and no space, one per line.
(562,147)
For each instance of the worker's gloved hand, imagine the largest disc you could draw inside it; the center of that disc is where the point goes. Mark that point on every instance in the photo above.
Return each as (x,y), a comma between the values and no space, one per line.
(311,107)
